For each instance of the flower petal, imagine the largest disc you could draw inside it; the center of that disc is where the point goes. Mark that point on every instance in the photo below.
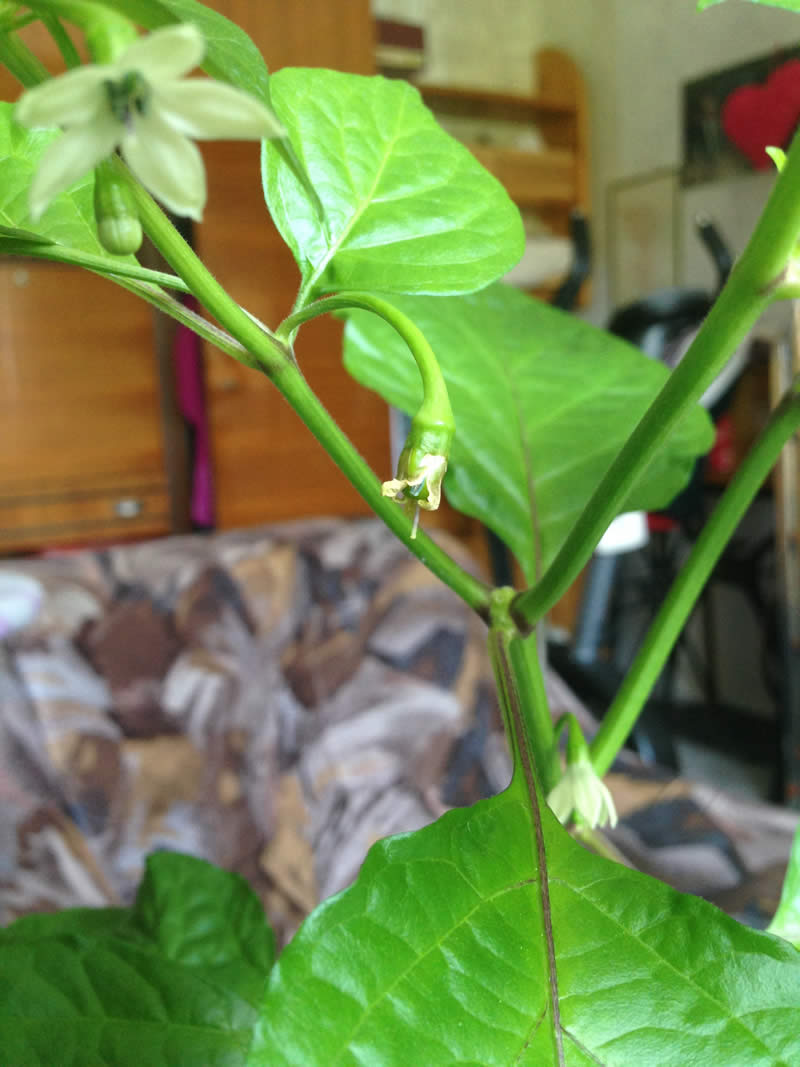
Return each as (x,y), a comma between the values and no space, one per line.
(164,54)
(562,797)
(70,156)
(68,100)
(167,164)
(209,110)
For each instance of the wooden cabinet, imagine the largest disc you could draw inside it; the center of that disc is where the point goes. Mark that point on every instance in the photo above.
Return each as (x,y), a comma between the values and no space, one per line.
(552,180)
(82,456)
(90,446)
(267,466)
(91,442)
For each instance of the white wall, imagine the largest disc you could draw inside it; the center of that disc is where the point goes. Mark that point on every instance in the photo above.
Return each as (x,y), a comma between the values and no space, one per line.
(475,43)
(635,55)
(661,44)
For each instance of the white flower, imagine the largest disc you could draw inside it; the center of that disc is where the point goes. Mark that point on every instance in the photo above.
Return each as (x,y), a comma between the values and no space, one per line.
(143,104)
(582,791)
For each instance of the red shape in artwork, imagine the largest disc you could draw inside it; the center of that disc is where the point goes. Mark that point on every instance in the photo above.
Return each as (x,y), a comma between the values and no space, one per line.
(757,116)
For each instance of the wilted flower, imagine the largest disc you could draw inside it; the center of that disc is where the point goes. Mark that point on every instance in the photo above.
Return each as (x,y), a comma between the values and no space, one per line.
(143,104)
(581,790)
(419,482)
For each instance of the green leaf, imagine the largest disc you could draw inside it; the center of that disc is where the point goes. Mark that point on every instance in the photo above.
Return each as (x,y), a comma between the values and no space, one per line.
(405,207)
(69,220)
(454,947)
(787,5)
(14,233)
(786,921)
(173,981)
(202,916)
(542,402)
(230,55)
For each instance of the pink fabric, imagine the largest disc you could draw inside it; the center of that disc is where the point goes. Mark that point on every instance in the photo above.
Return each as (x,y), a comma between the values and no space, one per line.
(192,400)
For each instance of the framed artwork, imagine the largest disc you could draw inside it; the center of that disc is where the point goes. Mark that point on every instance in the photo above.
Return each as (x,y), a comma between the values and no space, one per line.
(732,115)
(642,218)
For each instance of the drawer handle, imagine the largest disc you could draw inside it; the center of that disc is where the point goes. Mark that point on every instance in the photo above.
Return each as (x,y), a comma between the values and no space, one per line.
(128,507)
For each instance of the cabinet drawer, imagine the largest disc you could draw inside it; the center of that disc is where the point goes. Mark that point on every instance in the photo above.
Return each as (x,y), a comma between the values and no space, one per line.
(34,520)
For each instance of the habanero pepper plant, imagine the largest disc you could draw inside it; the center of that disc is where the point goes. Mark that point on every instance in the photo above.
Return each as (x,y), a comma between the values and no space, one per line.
(491,936)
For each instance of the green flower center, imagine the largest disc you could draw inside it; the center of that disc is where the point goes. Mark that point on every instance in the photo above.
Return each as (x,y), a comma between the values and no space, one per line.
(128,96)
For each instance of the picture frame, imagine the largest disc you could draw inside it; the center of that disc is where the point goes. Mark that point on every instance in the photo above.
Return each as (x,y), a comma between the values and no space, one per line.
(730,116)
(643,233)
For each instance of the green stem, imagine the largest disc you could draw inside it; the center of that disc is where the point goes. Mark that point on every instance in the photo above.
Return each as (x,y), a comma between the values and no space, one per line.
(11,22)
(107,33)
(178,311)
(263,350)
(305,402)
(21,62)
(436,402)
(98,264)
(675,610)
(522,694)
(753,284)
(63,41)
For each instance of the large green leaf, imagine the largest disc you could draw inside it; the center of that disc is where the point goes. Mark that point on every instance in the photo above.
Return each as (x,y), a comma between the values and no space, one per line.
(402,206)
(230,54)
(786,922)
(174,981)
(542,402)
(456,947)
(788,5)
(69,220)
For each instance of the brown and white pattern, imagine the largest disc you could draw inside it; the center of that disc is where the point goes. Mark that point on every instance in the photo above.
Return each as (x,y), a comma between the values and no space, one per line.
(276,700)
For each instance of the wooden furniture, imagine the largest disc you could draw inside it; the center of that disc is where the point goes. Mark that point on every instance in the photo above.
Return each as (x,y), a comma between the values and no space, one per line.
(83,454)
(553,181)
(92,443)
(267,466)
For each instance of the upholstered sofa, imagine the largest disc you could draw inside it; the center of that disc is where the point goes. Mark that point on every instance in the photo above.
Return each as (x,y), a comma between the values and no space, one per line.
(275,700)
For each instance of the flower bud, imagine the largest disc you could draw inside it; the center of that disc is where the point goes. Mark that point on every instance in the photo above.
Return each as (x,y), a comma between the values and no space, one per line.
(580,789)
(118,228)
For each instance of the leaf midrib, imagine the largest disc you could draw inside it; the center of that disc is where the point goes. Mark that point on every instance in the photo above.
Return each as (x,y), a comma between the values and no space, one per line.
(335,244)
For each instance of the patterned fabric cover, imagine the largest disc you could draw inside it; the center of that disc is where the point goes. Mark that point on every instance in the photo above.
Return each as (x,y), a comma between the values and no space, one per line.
(276,700)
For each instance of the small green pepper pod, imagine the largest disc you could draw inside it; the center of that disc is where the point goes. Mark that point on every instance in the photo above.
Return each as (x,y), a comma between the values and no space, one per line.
(422,466)
(118,227)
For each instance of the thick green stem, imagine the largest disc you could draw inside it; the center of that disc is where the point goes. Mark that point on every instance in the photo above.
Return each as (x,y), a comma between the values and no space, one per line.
(754,282)
(523,698)
(262,349)
(266,352)
(305,402)
(182,314)
(694,573)
(21,62)
(436,402)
